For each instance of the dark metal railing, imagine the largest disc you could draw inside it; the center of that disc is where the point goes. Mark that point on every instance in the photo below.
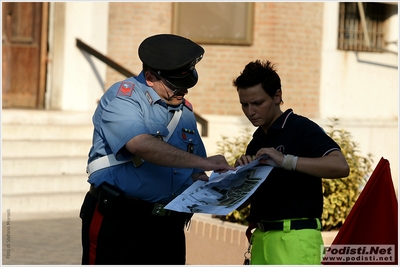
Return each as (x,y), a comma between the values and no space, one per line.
(116,66)
(111,63)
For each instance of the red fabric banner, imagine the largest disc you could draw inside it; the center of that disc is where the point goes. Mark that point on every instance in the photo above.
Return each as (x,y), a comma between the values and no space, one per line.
(373,220)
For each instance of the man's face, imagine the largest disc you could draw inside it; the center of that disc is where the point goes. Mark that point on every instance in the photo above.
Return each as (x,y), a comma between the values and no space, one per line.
(174,95)
(260,108)
(171,96)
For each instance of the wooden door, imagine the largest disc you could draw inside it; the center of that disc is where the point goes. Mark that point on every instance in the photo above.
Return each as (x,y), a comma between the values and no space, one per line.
(24,54)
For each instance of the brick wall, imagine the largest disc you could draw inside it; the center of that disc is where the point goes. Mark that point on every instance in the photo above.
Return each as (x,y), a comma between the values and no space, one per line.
(288,34)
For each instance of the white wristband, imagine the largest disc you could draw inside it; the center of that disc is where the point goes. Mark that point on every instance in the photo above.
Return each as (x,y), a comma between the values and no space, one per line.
(289,162)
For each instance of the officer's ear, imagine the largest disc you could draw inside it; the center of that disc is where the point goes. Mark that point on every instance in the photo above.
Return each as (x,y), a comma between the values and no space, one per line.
(150,78)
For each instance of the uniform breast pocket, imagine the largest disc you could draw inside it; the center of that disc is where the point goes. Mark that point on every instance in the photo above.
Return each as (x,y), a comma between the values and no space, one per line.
(158,130)
(188,139)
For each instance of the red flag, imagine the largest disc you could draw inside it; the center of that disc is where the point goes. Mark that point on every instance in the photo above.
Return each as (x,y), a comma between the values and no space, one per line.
(369,233)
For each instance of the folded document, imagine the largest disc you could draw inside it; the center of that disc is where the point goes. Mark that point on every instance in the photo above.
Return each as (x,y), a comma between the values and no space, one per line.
(224,192)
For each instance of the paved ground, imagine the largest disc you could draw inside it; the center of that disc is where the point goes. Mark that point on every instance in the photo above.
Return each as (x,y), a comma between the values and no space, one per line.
(54,239)
(41,241)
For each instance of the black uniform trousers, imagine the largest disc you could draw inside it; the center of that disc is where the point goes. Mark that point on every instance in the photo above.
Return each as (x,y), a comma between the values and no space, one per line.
(129,235)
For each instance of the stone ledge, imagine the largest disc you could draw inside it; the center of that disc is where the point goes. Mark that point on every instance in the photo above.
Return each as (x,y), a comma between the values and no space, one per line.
(212,241)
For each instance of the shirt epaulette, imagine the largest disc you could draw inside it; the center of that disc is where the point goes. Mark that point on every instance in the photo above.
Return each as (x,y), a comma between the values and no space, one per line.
(125,88)
(188,104)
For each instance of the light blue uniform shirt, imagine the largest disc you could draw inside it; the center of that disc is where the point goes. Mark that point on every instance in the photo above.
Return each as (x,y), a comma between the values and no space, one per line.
(130,108)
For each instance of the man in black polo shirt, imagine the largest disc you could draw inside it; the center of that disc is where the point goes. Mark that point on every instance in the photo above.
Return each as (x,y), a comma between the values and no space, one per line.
(286,209)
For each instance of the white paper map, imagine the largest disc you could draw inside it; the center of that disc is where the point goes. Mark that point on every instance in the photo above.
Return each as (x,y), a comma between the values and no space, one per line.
(223,193)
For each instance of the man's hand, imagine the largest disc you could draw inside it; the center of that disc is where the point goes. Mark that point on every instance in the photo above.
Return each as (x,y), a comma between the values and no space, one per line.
(218,164)
(200,176)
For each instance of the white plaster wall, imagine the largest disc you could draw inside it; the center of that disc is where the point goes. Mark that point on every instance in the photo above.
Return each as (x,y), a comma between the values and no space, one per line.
(362,90)
(79,81)
(356,85)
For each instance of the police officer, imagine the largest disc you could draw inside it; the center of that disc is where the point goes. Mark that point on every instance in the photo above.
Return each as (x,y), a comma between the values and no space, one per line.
(146,150)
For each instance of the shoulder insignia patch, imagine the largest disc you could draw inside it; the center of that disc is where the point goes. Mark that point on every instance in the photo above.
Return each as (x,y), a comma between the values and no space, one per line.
(126,89)
(188,104)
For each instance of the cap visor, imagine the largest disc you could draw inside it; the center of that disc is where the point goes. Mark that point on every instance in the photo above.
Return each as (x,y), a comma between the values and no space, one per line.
(185,82)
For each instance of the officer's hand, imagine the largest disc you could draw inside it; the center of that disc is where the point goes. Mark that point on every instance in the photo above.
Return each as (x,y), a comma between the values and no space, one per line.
(219,164)
(199,176)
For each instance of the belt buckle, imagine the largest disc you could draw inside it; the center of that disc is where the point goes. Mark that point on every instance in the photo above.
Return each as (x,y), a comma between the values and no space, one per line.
(159,210)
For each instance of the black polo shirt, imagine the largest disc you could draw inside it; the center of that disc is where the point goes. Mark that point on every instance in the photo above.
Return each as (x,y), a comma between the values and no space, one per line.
(290,194)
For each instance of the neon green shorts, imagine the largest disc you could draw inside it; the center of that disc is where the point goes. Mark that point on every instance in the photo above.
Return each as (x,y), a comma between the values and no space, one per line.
(291,247)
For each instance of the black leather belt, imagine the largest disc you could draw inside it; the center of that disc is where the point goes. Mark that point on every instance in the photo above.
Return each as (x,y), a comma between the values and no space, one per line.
(138,205)
(294,225)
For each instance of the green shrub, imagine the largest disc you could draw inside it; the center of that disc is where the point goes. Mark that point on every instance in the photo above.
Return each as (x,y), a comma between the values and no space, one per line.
(339,194)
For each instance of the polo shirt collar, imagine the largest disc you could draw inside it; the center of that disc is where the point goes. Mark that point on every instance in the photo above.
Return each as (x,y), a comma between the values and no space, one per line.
(281,121)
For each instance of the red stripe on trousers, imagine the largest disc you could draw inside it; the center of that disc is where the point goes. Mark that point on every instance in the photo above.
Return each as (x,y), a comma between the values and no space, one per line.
(93,234)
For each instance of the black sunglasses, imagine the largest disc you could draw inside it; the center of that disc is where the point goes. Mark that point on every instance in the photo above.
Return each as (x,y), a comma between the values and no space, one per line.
(166,83)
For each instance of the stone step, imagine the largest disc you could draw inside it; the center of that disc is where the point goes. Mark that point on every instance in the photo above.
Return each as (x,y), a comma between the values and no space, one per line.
(45,117)
(43,202)
(20,185)
(44,148)
(46,132)
(44,155)
(37,166)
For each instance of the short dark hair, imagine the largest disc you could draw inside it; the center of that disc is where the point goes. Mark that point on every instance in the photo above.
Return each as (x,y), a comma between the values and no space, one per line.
(146,68)
(257,72)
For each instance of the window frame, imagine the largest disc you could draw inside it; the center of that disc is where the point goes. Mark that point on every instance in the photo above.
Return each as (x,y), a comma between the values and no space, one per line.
(355,20)
(245,36)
